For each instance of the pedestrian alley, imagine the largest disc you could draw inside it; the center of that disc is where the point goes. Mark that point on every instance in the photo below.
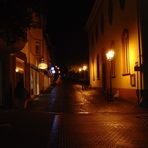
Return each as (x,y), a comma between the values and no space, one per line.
(68,117)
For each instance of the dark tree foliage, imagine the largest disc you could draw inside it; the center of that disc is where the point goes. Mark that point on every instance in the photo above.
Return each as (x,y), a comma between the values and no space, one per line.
(16,17)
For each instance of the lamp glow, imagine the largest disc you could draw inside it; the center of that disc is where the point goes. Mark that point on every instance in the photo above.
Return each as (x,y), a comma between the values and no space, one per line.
(84,67)
(42,64)
(52,68)
(53,71)
(80,69)
(16,70)
(110,54)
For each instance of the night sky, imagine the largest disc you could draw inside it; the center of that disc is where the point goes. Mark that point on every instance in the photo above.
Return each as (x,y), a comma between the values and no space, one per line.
(66,21)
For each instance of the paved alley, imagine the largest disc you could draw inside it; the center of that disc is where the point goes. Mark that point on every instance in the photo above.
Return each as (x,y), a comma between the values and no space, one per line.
(67,117)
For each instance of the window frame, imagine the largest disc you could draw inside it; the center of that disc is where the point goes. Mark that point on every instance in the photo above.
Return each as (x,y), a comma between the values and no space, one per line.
(125,52)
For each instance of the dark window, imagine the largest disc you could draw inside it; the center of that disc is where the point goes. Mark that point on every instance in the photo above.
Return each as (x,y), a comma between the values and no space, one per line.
(110,11)
(102,23)
(97,32)
(93,38)
(122,4)
(37,48)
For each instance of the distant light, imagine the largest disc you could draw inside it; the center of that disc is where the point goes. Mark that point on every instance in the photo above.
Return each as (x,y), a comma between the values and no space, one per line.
(80,69)
(52,68)
(16,70)
(84,67)
(53,71)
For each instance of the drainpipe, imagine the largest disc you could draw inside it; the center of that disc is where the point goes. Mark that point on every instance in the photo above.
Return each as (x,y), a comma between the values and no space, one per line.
(140,91)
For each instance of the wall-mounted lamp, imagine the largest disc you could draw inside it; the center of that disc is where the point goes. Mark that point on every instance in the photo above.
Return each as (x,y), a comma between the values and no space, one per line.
(42,64)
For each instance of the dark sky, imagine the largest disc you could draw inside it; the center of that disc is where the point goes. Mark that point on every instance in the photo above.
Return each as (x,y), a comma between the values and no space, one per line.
(66,20)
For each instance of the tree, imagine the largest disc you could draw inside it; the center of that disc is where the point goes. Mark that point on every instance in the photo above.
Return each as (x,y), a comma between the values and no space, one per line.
(15,19)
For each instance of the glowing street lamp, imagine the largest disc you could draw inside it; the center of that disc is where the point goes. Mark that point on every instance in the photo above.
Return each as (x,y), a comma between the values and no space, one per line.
(52,68)
(53,71)
(110,55)
(80,69)
(42,64)
(84,67)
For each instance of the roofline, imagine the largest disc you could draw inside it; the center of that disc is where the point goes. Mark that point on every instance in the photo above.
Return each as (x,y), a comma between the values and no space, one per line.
(92,14)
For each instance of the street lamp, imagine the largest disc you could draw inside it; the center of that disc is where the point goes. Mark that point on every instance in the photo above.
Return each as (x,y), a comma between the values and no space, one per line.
(42,64)
(110,55)
(84,67)
(84,81)
(80,69)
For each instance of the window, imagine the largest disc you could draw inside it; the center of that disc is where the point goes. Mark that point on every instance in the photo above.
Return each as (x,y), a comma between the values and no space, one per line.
(91,39)
(97,32)
(38,48)
(125,52)
(98,67)
(110,12)
(102,23)
(122,4)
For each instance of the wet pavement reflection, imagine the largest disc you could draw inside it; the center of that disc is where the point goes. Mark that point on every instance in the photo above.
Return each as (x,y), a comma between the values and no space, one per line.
(86,119)
(68,117)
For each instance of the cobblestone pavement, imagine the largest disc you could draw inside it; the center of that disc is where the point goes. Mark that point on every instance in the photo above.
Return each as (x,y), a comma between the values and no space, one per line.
(84,119)
(68,117)
(102,130)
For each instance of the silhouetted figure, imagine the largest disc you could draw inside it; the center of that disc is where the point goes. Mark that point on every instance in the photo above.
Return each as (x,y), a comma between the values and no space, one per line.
(85,84)
(20,93)
(85,80)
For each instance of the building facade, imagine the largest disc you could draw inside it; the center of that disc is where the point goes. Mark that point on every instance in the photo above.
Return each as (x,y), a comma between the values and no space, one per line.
(23,64)
(117,25)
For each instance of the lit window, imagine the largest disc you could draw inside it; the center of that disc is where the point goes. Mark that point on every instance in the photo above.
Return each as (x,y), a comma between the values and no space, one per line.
(125,52)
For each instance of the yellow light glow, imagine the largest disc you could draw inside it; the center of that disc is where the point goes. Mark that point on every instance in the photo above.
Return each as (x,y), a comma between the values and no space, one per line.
(110,54)
(84,67)
(42,65)
(16,70)
(80,69)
